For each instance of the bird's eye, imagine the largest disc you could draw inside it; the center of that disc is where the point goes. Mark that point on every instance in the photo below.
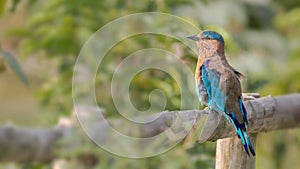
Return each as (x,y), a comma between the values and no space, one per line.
(209,38)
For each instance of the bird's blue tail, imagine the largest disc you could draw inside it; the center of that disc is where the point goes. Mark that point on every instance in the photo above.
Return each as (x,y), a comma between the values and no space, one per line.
(241,133)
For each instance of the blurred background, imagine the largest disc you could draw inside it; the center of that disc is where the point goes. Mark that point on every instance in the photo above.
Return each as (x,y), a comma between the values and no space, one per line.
(40,41)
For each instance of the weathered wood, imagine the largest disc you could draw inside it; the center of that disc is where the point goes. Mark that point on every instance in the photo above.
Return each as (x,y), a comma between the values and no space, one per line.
(266,114)
(230,153)
(37,144)
(28,144)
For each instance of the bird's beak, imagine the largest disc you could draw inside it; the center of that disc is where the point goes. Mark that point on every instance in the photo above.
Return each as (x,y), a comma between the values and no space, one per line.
(194,37)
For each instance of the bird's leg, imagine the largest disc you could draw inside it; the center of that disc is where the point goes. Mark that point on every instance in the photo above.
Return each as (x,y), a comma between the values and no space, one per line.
(206,110)
(214,111)
(210,110)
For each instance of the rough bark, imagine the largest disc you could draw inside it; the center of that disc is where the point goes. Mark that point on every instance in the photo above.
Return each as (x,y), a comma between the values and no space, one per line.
(265,114)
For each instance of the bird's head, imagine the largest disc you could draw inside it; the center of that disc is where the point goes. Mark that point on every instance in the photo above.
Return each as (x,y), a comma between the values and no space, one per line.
(207,35)
(209,39)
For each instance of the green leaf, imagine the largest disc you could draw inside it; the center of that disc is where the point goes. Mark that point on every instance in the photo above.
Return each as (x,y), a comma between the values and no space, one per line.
(15,66)
(14,5)
(2,6)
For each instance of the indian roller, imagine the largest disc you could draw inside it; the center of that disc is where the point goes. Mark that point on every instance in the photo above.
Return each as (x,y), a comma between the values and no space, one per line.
(218,84)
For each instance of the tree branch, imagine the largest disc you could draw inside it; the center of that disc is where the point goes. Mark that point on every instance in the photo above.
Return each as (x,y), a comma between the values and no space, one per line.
(265,114)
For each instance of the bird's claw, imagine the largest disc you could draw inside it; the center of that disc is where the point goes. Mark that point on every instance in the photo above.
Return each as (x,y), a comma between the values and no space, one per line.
(206,108)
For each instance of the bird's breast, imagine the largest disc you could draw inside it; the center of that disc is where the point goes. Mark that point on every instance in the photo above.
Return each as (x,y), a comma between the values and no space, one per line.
(198,69)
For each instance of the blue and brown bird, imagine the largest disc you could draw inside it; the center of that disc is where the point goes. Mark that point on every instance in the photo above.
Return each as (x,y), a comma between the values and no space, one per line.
(218,83)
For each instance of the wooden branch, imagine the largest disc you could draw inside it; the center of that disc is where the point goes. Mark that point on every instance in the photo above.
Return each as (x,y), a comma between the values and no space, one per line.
(28,144)
(265,114)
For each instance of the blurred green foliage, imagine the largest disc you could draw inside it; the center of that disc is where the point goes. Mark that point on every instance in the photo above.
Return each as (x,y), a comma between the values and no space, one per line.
(6,57)
(262,41)
(13,63)
(61,29)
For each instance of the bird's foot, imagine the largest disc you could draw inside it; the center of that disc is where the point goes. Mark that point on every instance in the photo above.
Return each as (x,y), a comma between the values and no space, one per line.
(210,110)
(214,111)
(206,108)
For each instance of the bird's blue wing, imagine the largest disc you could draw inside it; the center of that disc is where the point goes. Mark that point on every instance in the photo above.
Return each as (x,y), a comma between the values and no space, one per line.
(243,110)
(211,81)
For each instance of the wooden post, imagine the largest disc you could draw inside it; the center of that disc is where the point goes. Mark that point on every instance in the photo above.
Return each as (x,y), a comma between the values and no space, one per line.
(230,153)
